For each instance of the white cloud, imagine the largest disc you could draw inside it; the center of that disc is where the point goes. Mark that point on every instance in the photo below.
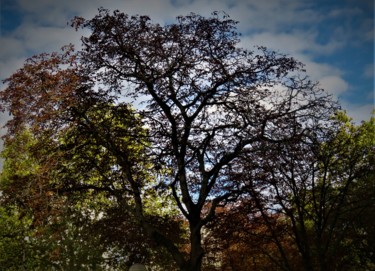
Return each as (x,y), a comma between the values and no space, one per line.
(304,48)
(10,47)
(358,112)
(273,15)
(43,38)
(12,55)
(294,43)
(8,67)
(31,39)
(317,70)
(334,84)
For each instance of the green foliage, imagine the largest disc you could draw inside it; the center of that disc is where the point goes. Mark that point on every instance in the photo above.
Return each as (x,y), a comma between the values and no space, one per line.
(77,216)
(335,214)
(18,163)
(14,243)
(354,221)
(38,231)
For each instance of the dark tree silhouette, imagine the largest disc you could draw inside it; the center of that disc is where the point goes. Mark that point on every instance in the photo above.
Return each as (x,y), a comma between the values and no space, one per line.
(207,104)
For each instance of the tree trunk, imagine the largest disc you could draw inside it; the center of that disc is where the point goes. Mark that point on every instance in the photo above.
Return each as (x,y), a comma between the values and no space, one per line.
(196,250)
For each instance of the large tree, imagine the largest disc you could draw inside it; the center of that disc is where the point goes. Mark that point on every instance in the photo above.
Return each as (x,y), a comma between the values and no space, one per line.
(207,104)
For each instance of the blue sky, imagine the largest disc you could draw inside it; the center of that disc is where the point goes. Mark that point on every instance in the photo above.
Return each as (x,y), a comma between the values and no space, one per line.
(334,38)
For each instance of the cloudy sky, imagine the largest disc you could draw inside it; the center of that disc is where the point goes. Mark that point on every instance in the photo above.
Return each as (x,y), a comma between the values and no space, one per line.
(334,38)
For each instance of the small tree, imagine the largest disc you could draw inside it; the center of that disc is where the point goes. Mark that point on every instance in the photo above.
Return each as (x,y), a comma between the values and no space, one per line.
(208,103)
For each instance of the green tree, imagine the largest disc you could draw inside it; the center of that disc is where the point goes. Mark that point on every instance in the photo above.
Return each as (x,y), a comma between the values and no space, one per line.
(106,146)
(208,103)
(40,231)
(354,160)
(70,224)
(15,250)
(309,208)
(315,185)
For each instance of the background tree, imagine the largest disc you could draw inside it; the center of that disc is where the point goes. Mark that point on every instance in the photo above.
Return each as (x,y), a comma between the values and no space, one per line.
(313,186)
(208,105)
(353,168)
(316,204)
(40,231)
(68,225)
